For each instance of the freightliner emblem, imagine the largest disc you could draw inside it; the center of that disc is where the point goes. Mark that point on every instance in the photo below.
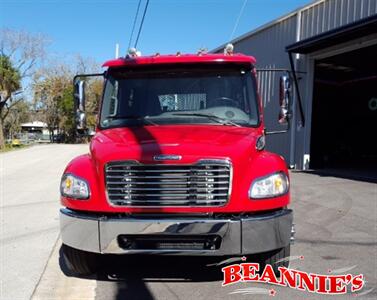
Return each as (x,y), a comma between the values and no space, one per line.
(167,157)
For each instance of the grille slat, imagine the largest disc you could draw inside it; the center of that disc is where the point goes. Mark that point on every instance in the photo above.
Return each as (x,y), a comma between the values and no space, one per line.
(187,202)
(206,183)
(174,176)
(167,195)
(183,189)
(164,171)
(159,182)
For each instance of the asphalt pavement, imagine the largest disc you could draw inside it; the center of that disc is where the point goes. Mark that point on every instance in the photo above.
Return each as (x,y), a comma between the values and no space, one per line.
(335,222)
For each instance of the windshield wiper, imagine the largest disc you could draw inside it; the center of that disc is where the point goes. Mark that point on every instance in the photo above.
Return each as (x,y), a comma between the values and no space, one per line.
(209,116)
(132,117)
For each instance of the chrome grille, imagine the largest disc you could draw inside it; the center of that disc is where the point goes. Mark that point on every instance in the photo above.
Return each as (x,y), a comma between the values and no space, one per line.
(206,183)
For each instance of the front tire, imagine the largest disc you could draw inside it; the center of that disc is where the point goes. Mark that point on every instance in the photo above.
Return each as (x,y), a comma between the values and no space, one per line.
(79,262)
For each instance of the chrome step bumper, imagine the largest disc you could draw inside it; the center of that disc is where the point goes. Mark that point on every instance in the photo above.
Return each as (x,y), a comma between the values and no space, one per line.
(246,235)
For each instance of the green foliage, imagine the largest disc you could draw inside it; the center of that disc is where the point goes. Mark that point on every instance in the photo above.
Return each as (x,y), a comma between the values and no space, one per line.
(20,53)
(66,103)
(19,113)
(10,78)
(10,81)
(93,96)
(65,107)
(53,98)
(9,147)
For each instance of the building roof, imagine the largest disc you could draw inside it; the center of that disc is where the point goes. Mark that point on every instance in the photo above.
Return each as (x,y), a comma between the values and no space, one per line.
(336,36)
(34,124)
(180,59)
(269,24)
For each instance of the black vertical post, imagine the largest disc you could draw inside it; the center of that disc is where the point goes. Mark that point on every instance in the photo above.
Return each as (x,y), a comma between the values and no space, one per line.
(297,89)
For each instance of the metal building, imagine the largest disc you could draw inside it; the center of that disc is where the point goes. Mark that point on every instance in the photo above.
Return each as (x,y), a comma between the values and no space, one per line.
(333,44)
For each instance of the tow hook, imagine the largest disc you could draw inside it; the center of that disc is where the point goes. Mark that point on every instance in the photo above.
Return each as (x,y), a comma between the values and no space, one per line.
(293,231)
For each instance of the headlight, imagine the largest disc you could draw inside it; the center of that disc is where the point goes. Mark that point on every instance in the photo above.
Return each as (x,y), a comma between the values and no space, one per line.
(271,186)
(74,187)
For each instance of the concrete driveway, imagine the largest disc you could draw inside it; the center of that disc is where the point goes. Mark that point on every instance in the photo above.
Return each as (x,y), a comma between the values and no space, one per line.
(335,222)
(29,204)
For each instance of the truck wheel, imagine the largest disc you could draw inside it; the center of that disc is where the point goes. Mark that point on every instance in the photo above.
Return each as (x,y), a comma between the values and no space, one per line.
(79,262)
(272,258)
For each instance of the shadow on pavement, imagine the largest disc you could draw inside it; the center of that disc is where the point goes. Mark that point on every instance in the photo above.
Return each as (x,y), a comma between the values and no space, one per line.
(154,268)
(129,275)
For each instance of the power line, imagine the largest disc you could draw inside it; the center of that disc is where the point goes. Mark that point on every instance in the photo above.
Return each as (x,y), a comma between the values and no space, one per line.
(142,22)
(133,26)
(238,20)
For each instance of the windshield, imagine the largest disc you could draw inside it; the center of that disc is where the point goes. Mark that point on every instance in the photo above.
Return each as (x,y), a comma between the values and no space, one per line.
(190,95)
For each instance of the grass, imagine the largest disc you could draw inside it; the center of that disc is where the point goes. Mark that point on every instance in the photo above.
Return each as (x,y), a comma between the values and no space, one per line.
(9,147)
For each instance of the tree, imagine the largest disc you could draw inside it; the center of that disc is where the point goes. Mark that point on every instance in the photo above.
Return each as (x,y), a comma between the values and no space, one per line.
(94,87)
(20,53)
(93,96)
(51,88)
(9,83)
(17,114)
(67,120)
(53,95)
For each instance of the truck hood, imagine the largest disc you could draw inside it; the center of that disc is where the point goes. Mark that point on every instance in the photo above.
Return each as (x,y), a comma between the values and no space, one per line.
(189,142)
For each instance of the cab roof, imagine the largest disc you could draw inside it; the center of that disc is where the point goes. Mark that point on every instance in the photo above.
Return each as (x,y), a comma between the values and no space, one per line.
(180,59)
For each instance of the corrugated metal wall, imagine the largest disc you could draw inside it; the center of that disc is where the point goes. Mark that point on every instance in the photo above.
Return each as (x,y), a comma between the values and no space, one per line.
(268,46)
(330,14)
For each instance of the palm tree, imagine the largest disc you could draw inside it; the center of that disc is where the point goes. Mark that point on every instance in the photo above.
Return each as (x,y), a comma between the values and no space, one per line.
(10,82)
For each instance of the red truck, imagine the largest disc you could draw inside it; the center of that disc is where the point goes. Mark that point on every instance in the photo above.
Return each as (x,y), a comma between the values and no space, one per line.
(177,165)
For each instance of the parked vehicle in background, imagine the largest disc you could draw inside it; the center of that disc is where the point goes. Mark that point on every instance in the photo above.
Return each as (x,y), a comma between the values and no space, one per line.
(58,138)
(16,143)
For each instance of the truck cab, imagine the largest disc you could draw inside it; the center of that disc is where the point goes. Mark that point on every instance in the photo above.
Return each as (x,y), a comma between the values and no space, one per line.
(177,166)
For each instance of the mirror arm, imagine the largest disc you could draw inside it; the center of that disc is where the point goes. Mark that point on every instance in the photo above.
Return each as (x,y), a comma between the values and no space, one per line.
(297,89)
(279,131)
(87,75)
(276,132)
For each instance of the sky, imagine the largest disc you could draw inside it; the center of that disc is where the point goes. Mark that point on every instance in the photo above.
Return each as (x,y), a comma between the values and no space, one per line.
(92,28)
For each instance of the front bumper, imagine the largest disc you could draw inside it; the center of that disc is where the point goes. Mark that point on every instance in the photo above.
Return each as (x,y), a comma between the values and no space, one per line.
(237,236)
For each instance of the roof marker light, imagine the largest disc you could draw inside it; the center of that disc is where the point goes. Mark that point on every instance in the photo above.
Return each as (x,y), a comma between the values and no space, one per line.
(228,50)
(202,51)
(132,52)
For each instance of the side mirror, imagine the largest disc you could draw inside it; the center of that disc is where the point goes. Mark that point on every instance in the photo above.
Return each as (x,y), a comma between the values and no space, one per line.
(79,98)
(284,99)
